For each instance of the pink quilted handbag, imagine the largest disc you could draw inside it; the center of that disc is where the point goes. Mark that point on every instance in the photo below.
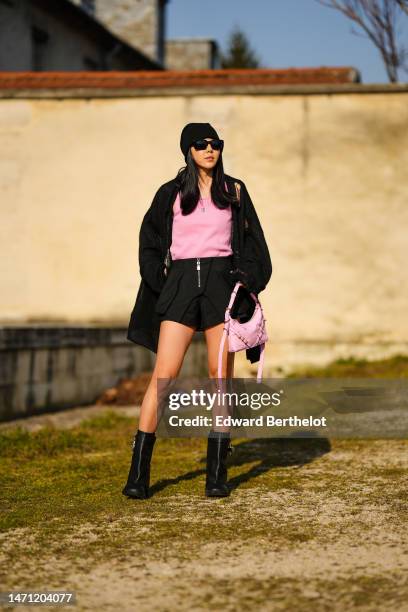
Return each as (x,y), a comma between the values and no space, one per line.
(242,336)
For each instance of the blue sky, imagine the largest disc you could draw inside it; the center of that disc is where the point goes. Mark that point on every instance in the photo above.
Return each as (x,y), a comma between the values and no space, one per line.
(284,34)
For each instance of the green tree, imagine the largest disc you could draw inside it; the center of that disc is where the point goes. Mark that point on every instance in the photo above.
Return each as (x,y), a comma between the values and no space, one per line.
(239,53)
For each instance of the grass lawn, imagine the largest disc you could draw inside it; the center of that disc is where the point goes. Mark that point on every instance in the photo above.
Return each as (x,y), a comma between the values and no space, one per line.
(310,522)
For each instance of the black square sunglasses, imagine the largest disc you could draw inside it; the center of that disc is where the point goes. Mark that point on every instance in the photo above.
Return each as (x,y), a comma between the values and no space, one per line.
(201,145)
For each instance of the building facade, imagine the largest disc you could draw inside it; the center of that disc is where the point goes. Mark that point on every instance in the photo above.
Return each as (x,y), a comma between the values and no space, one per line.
(42,35)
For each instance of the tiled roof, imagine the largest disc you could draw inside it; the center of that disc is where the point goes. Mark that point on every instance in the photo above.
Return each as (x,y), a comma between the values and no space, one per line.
(177,78)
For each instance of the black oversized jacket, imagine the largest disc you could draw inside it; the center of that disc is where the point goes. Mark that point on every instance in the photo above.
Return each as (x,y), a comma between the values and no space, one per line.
(251,259)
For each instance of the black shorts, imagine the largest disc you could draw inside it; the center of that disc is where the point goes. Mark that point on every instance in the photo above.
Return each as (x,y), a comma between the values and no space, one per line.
(196,297)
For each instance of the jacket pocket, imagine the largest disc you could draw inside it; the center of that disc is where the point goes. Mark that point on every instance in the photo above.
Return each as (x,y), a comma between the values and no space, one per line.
(169,290)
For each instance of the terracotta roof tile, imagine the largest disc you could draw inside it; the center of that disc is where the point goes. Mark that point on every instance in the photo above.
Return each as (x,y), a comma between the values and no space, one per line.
(176,78)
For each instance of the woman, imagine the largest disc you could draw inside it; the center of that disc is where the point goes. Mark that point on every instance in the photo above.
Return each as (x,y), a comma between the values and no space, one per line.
(200,235)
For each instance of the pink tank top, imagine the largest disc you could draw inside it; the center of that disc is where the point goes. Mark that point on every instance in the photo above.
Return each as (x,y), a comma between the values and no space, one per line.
(202,233)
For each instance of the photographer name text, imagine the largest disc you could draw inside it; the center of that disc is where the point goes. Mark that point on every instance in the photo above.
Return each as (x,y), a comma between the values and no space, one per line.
(259,421)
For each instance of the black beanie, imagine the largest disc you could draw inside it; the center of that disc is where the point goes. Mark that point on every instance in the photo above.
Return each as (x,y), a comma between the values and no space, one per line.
(195,131)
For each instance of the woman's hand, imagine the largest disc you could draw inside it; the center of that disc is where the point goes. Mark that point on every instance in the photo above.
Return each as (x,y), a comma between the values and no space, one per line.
(239,275)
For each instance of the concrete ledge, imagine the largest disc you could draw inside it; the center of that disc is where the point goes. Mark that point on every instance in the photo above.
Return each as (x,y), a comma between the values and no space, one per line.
(57,336)
(44,368)
(221,90)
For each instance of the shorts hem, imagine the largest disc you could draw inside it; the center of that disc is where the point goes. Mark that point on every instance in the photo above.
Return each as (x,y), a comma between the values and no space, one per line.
(200,328)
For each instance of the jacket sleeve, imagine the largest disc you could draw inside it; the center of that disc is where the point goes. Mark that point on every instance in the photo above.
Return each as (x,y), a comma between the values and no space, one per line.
(150,253)
(256,260)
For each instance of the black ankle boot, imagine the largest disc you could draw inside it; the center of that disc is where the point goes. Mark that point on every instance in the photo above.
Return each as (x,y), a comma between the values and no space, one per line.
(217,450)
(139,474)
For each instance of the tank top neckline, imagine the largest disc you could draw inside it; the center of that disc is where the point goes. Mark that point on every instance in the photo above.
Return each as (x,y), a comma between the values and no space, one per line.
(200,198)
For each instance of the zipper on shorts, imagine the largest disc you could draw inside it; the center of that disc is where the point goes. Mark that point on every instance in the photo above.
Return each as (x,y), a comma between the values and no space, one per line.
(198,270)
(167,263)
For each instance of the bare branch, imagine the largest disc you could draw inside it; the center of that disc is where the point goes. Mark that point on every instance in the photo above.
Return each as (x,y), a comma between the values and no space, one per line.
(403,4)
(378,20)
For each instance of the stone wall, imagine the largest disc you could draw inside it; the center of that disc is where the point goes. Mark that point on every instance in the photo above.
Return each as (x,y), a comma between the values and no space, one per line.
(327,172)
(140,23)
(192,54)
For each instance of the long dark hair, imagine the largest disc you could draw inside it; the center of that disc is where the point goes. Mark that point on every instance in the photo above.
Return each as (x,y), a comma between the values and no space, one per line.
(187,177)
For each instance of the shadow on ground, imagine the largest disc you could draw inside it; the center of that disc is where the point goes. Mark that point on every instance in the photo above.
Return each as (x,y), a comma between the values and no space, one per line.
(268,453)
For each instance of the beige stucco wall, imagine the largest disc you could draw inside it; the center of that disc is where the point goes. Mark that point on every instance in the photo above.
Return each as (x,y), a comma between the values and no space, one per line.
(328,175)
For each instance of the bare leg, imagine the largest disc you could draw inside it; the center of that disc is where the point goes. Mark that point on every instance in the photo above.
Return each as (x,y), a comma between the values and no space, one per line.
(174,340)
